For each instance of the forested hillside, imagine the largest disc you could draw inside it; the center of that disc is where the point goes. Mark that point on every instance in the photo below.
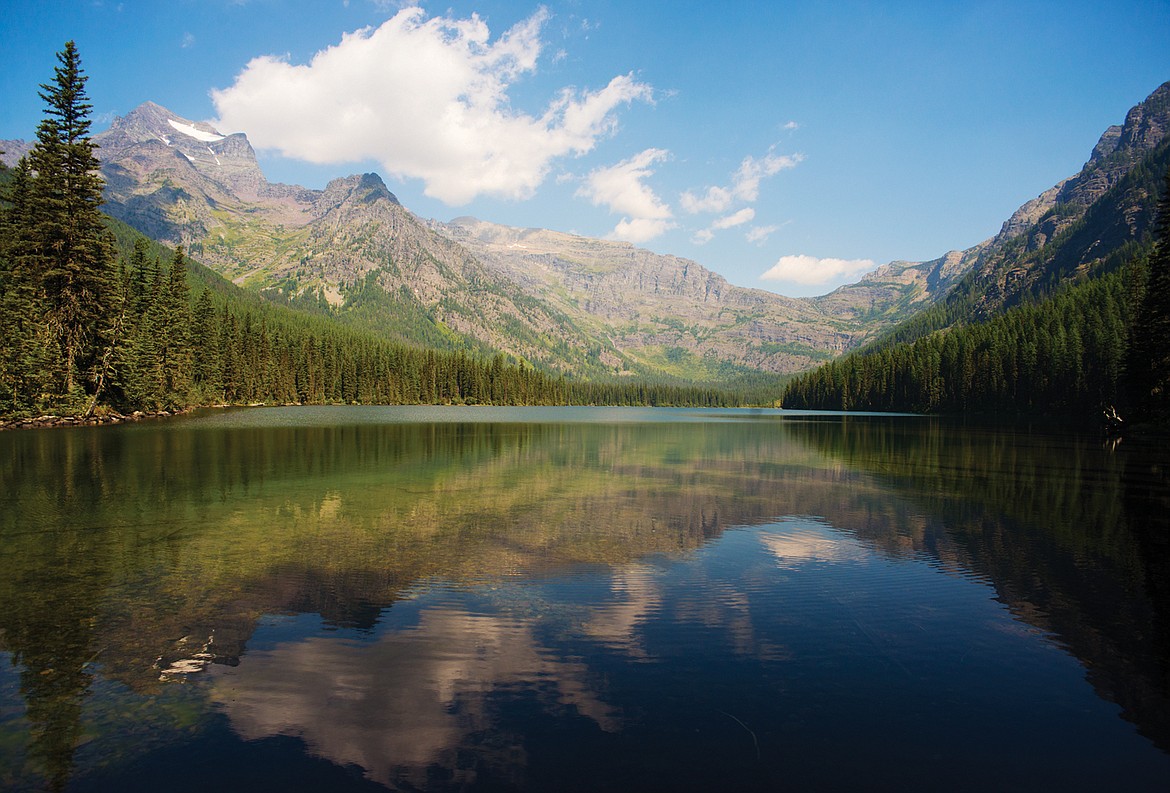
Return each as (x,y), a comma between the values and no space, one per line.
(1050,319)
(1071,346)
(1062,354)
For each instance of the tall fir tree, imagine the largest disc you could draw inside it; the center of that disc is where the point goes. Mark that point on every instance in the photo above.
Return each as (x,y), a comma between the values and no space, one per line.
(143,271)
(173,341)
(74,249)
(205,365)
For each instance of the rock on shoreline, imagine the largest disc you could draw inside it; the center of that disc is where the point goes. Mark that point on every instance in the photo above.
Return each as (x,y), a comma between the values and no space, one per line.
(41,422)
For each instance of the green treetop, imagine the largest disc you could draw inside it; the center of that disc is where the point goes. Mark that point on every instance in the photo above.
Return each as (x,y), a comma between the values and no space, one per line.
(74,248)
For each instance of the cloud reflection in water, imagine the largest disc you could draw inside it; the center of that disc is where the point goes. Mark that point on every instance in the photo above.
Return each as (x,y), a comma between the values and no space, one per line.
(410,699)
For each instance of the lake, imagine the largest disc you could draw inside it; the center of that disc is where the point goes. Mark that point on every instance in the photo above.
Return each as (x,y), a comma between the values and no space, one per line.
(365,598)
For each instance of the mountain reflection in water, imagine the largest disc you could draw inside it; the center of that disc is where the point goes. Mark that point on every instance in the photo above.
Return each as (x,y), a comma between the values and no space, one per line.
(575,599)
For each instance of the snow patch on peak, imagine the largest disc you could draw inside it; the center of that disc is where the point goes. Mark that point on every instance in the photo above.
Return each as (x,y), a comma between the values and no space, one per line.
(197,134)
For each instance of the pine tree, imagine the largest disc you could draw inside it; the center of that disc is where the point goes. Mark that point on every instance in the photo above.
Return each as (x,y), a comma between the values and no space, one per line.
(74,251)
(143,271)
(174,333)
(205,367)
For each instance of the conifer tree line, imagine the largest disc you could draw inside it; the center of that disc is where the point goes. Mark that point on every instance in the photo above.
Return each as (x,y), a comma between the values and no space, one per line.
(85,328)
(1148,371)
(1062,355)
(1093,344)
(57,289)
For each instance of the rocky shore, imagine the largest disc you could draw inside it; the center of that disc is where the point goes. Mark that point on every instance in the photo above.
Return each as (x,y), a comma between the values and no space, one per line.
(84,421)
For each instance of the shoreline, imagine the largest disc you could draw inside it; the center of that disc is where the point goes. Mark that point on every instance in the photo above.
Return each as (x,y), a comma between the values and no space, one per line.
(46,421)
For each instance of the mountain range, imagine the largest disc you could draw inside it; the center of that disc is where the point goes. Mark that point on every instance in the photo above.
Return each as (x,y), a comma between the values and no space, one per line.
(563,302)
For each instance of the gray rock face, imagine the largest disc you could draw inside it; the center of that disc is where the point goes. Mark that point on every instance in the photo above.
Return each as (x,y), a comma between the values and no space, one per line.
(1026,216)
(12,150)
(1119,149)
(1107,144)
(569,303)
(226,159)
(363,188)
(645,302)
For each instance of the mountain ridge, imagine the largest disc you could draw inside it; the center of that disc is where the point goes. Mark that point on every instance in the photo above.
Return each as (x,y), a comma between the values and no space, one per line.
(352,250)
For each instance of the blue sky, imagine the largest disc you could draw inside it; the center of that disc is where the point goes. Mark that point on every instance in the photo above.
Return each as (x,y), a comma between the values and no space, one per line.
(810,140)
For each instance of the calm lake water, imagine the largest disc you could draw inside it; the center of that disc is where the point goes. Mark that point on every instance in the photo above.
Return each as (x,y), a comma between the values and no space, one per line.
(442,599)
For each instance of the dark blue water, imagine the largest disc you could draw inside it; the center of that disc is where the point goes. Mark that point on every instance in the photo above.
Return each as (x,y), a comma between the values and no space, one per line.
(575,599)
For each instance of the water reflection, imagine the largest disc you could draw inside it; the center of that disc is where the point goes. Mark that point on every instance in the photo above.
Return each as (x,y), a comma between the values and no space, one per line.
(506,604)
(1056,524)
(411,700)
(803,546)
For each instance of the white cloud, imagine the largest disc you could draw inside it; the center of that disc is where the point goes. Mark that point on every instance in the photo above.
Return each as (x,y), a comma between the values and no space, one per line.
(811,270)
(759,234)
(704,236)
(429,99)
(188,41)
(716,199)
(745,184)
(622,189)
(791,125)
(620,186)
(736,219)
(640,229)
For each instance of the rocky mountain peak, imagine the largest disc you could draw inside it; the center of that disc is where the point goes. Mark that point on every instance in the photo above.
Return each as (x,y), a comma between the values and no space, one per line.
(1107,144)
(1119,148)
(1146,126)
(226,159)
(365,188)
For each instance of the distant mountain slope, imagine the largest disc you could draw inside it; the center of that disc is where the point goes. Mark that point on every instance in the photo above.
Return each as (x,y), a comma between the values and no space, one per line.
(1086,225)
(896,290)
(13,150)
(674,314)
(662,311)
(565,303)
(1043,320)
(351,249)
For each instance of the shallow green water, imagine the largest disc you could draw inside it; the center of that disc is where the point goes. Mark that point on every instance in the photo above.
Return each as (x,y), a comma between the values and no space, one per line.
(580,599)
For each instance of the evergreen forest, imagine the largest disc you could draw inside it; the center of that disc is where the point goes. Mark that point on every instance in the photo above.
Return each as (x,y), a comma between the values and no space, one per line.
(1068,346)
